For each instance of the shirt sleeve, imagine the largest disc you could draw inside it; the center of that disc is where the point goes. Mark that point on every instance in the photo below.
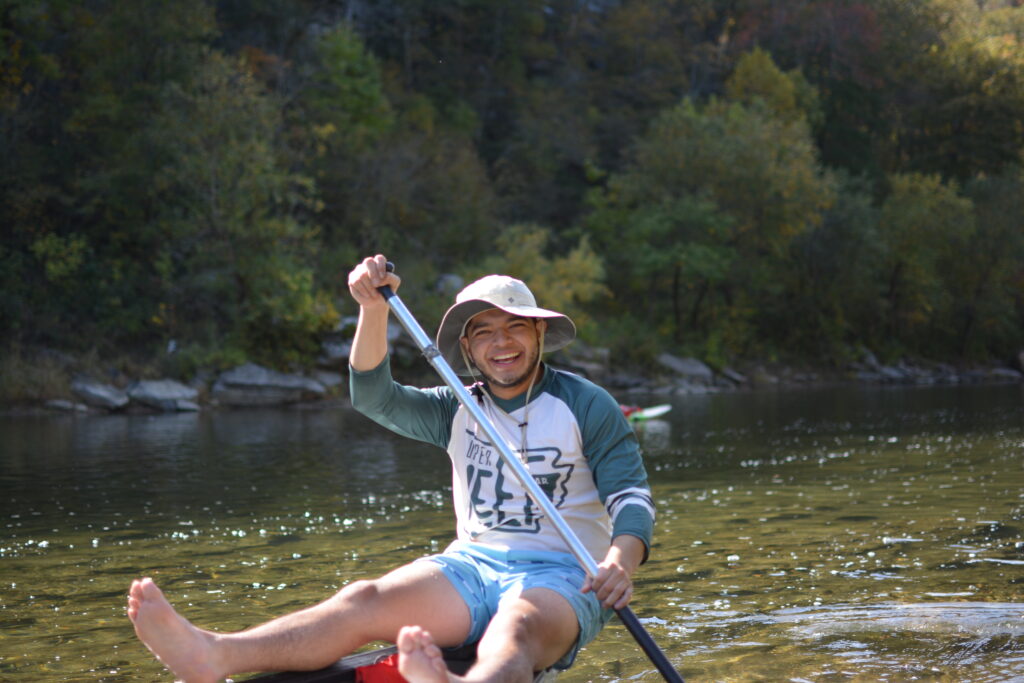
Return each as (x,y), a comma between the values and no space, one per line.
(421,414)
(613,452)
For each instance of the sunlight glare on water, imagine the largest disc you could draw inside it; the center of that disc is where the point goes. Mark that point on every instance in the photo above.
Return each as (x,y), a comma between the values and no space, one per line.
(827,535)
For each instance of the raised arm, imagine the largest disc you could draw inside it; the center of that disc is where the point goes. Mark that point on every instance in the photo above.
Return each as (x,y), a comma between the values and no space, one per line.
(370,345)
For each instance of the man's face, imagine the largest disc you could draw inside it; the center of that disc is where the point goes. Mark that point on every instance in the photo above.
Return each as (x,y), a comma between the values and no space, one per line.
(505,348)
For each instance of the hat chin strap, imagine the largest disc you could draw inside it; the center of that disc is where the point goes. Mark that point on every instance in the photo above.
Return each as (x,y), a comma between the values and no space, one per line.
(529,388)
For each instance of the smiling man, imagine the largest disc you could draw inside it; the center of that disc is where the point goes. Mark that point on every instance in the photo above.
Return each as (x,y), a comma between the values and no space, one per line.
(530,604)
(508,583)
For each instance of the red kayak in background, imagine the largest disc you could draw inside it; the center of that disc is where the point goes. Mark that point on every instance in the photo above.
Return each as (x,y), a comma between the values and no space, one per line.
(638,414)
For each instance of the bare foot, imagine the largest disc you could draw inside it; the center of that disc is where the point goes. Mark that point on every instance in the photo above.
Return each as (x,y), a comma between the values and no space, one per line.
(180,646)
(419,659)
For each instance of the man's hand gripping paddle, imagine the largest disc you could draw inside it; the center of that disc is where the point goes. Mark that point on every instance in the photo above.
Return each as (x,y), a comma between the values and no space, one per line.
(522,475)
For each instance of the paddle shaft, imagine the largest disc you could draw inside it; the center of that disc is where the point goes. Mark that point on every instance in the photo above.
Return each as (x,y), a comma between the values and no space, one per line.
(523,476)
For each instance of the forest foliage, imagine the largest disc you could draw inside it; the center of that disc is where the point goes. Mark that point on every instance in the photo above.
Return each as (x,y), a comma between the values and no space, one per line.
(732,180)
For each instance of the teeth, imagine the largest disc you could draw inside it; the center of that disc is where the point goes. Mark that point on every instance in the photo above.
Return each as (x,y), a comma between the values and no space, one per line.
(501,359)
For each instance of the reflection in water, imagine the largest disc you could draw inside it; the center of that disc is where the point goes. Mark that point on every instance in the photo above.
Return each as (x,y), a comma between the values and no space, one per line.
(971,620)
(887,641)
(845,535)
(655,435)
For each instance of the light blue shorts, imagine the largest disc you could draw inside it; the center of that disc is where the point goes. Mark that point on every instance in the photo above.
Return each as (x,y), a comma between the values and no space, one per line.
(485,576)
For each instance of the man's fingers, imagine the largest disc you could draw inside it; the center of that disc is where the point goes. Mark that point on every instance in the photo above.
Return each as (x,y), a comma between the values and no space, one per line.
(612,586)
(624,599)
(370,274)
(618,596)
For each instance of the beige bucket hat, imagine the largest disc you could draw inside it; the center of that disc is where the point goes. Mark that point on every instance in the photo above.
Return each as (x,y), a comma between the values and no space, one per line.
(508,294)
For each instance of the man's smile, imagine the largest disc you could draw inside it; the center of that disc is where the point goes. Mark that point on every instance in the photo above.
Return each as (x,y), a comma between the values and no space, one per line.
(505,358)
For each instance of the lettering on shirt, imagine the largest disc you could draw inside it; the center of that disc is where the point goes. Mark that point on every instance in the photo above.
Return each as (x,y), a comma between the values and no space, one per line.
(495,497)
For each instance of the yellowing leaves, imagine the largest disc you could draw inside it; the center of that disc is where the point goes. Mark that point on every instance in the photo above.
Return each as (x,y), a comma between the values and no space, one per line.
(61,256)
(560,282)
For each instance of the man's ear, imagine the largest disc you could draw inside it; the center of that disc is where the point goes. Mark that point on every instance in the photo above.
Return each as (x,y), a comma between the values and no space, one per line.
(464,343)
(541,325)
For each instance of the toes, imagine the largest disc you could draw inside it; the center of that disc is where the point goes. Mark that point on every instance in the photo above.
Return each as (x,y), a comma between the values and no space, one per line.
(408,638)
(149,589)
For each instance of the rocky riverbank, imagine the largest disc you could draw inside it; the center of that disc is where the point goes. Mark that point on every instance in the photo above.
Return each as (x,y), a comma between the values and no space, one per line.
(678,375)
(251,385)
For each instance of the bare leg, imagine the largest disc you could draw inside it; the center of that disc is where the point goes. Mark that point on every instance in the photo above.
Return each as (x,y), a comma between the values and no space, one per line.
(526,635)
(312,638)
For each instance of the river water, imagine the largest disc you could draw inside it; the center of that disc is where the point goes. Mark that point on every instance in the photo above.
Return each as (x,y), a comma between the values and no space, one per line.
(850,534)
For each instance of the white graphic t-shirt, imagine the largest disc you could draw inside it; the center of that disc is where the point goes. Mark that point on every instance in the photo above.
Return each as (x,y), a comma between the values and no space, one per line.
(578,447)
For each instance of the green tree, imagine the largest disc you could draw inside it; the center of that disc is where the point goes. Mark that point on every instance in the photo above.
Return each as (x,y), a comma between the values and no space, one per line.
(757,79)
(232,252)
(592,78)
(339,118)
(848,50)
(923,226)
(208,171)
(986,279)
(396,176)
(833,302)
(730,187)
(677,256)
(77,172)
(343,96)
(968,117)
(170,213)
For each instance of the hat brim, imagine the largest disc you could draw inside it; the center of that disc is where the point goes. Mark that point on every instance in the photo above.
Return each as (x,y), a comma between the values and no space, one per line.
(560,331)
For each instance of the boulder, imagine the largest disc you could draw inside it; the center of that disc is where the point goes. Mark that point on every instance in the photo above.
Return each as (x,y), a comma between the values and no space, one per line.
(1005,375)
(254,385)
(944,373)
(328,379)
(760,377)
(593,371)
(66,406)
(867,376)
(734,376)
(164,394)
(892,374)
(690,369)
(449,284)
(684,386)
(870,361)
(335,348)
(99,395)
(624,380)
(334,353)
(591,362)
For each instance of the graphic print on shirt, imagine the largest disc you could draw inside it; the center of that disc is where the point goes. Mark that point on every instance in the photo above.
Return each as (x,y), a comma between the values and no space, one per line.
(497,499)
